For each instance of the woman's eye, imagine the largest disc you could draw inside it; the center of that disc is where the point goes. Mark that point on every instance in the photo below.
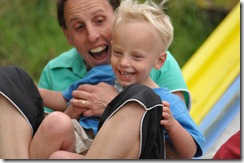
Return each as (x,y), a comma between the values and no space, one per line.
(99,20)
(79,27)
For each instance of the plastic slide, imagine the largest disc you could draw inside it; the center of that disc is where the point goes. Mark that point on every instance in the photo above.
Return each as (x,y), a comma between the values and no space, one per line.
(214,66)
(221,115)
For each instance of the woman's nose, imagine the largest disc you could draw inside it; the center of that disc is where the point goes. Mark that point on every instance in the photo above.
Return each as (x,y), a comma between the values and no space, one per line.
(93,34)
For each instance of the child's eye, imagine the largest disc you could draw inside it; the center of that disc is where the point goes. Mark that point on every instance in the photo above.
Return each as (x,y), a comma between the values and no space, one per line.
(117,53)
(137,57)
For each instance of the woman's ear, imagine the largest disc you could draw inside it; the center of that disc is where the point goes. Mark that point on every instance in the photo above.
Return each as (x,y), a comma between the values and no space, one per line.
(160,61)
(66,34)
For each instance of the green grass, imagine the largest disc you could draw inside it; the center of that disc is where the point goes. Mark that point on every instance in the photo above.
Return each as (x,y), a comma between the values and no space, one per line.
(30,35)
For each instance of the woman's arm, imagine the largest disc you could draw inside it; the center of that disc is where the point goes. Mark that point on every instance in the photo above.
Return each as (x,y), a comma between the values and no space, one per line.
(53,99)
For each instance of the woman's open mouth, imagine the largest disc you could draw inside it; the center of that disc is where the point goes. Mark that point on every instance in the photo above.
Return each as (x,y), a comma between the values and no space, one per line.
(100,53)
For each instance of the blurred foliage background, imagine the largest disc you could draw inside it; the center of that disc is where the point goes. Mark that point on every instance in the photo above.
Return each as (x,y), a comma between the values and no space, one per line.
(30,35)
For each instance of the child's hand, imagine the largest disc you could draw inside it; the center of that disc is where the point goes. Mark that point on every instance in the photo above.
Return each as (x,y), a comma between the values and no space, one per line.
(74,112)
(167,117)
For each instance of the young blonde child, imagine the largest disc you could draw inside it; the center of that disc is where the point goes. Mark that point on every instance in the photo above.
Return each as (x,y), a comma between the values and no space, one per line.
(141,35)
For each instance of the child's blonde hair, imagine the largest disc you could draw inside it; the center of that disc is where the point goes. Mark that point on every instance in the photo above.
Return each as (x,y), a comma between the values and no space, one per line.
(149,12)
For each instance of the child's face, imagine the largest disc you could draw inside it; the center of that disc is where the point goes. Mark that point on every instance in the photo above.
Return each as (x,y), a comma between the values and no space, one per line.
(136,49)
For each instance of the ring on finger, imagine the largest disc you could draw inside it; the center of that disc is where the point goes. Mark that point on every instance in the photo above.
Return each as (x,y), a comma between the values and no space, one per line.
(83,103)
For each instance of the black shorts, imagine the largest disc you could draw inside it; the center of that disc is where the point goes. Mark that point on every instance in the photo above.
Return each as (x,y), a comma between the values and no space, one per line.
(18,87)
(152,138)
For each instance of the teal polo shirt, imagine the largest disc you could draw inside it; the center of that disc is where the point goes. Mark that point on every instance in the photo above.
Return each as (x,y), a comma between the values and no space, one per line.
(171,77)
(68,67)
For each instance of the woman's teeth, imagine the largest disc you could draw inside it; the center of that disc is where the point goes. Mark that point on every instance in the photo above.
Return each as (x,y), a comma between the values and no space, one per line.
(98,49)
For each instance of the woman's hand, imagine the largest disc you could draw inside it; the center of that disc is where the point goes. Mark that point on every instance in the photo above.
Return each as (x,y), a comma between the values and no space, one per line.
(94,98)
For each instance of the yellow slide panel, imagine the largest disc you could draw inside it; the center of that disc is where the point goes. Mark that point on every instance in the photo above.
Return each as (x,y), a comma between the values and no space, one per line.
(214,66)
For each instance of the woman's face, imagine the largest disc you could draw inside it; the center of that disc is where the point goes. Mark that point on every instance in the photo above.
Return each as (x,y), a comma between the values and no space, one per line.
(89,29)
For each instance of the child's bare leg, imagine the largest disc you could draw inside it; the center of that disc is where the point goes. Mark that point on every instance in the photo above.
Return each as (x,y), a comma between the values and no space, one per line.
(15,132)
(119,137)
(65,155)
(56,132)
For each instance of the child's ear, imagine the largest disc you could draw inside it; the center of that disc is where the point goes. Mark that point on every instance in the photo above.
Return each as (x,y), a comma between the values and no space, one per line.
(66,34)
(160,61)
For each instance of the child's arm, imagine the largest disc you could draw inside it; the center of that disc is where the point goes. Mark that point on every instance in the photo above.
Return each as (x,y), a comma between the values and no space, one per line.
(53,99)
(182,144)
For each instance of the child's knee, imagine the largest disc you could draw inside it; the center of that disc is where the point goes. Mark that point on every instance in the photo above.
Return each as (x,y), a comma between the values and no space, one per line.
(57,123)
